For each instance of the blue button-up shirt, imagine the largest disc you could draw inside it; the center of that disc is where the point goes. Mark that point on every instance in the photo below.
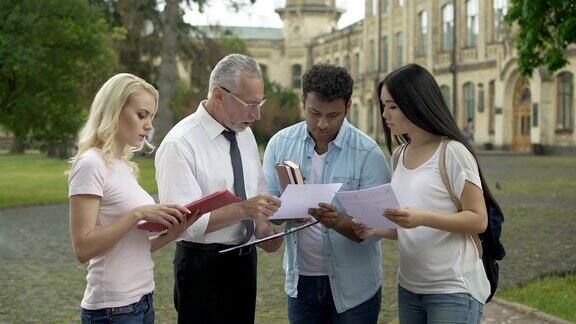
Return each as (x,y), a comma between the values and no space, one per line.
(356,160)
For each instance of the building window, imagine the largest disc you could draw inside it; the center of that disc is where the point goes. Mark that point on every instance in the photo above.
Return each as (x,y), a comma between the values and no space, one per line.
(370,120)
(400,3)
(491,105)
(296,76)
(480,97)
(471,22)
(565,106)
(384,53)
(375,7)
(447,27)
(469,100)
(423,35)
(337,61)
(399,49)
(347,62)
(373,61)
(445,90)
(385,5)
(500,10)
(356,116)
(357,64)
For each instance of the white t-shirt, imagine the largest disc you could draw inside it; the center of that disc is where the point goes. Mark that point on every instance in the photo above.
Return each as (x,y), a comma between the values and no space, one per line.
(434,261)
(310,240)
(125,273)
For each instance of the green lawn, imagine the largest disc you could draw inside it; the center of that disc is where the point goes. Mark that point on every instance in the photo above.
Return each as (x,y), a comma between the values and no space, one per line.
(33,179)
(41,281)
(553,295)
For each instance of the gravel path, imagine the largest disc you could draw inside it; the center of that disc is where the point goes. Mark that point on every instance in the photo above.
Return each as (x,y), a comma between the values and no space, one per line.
(41,233)
(537,194)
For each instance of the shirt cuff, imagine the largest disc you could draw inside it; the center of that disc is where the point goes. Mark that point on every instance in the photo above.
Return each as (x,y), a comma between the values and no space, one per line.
(198,229)
(372,239)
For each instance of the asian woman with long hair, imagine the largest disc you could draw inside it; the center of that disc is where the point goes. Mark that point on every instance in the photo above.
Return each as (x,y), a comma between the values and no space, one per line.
(441,278)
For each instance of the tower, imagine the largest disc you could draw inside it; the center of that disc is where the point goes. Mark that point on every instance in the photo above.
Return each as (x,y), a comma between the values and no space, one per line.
(304,20)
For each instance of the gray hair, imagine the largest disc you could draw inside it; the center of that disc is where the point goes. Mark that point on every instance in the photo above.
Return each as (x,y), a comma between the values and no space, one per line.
(227,72)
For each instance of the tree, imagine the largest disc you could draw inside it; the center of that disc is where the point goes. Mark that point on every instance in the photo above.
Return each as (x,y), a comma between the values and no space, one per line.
(53,56)
(139,24)
(547,27)
(168,69)
(175,38)
(281,110)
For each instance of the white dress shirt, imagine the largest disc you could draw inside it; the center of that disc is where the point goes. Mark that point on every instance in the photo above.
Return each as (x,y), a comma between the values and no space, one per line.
(193,161)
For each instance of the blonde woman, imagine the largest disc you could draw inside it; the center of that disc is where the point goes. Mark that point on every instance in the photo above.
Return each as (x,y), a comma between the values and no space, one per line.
(106,202)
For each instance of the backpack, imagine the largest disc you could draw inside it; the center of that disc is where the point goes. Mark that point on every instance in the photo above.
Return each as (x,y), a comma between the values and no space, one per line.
(488,243)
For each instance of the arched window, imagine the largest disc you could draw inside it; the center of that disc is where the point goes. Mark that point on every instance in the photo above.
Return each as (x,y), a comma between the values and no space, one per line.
(399,49)
(491,104)
(370,128)
(565,102)
(447,26)
(447,97)
(296,76)
(373,61)
(469,101)
(355,119)
(500,8)
(423,33)
(357,69)
(384,53)
(471,22)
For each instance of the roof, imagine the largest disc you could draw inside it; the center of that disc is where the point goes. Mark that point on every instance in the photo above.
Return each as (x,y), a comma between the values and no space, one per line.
(246,33)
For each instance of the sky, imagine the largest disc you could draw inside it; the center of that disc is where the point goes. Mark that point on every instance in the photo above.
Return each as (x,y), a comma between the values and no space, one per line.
(260,14)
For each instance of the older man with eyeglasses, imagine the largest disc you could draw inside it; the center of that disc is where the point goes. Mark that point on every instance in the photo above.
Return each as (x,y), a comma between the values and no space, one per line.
(211,150)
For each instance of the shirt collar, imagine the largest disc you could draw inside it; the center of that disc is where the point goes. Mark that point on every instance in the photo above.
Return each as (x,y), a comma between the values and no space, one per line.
(212,127)
(338,141)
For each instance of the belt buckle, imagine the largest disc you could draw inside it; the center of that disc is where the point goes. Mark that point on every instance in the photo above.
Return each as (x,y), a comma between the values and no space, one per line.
(245,250)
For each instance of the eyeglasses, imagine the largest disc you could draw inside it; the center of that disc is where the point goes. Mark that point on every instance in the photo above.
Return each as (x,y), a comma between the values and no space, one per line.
(252,105)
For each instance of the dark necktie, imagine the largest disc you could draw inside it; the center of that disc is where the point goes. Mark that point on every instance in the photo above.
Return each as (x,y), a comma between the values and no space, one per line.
(239,187)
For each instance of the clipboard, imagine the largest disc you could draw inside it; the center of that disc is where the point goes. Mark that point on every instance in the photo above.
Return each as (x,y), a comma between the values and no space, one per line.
(271,237)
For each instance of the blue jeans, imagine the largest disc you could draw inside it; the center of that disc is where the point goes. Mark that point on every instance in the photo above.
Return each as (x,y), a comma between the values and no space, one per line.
(438,308)
(315,305)
(139,312)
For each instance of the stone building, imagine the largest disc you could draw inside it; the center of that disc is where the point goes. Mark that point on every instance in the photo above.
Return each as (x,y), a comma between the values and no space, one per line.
(465,44)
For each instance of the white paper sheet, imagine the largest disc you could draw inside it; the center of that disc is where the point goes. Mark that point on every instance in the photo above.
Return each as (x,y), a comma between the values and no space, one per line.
(368,205)
(296,199)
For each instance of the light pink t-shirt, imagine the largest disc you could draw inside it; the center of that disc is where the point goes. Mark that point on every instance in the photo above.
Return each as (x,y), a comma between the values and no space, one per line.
(125,273)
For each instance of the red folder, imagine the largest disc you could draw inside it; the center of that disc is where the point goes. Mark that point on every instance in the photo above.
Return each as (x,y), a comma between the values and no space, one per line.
(207,204)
